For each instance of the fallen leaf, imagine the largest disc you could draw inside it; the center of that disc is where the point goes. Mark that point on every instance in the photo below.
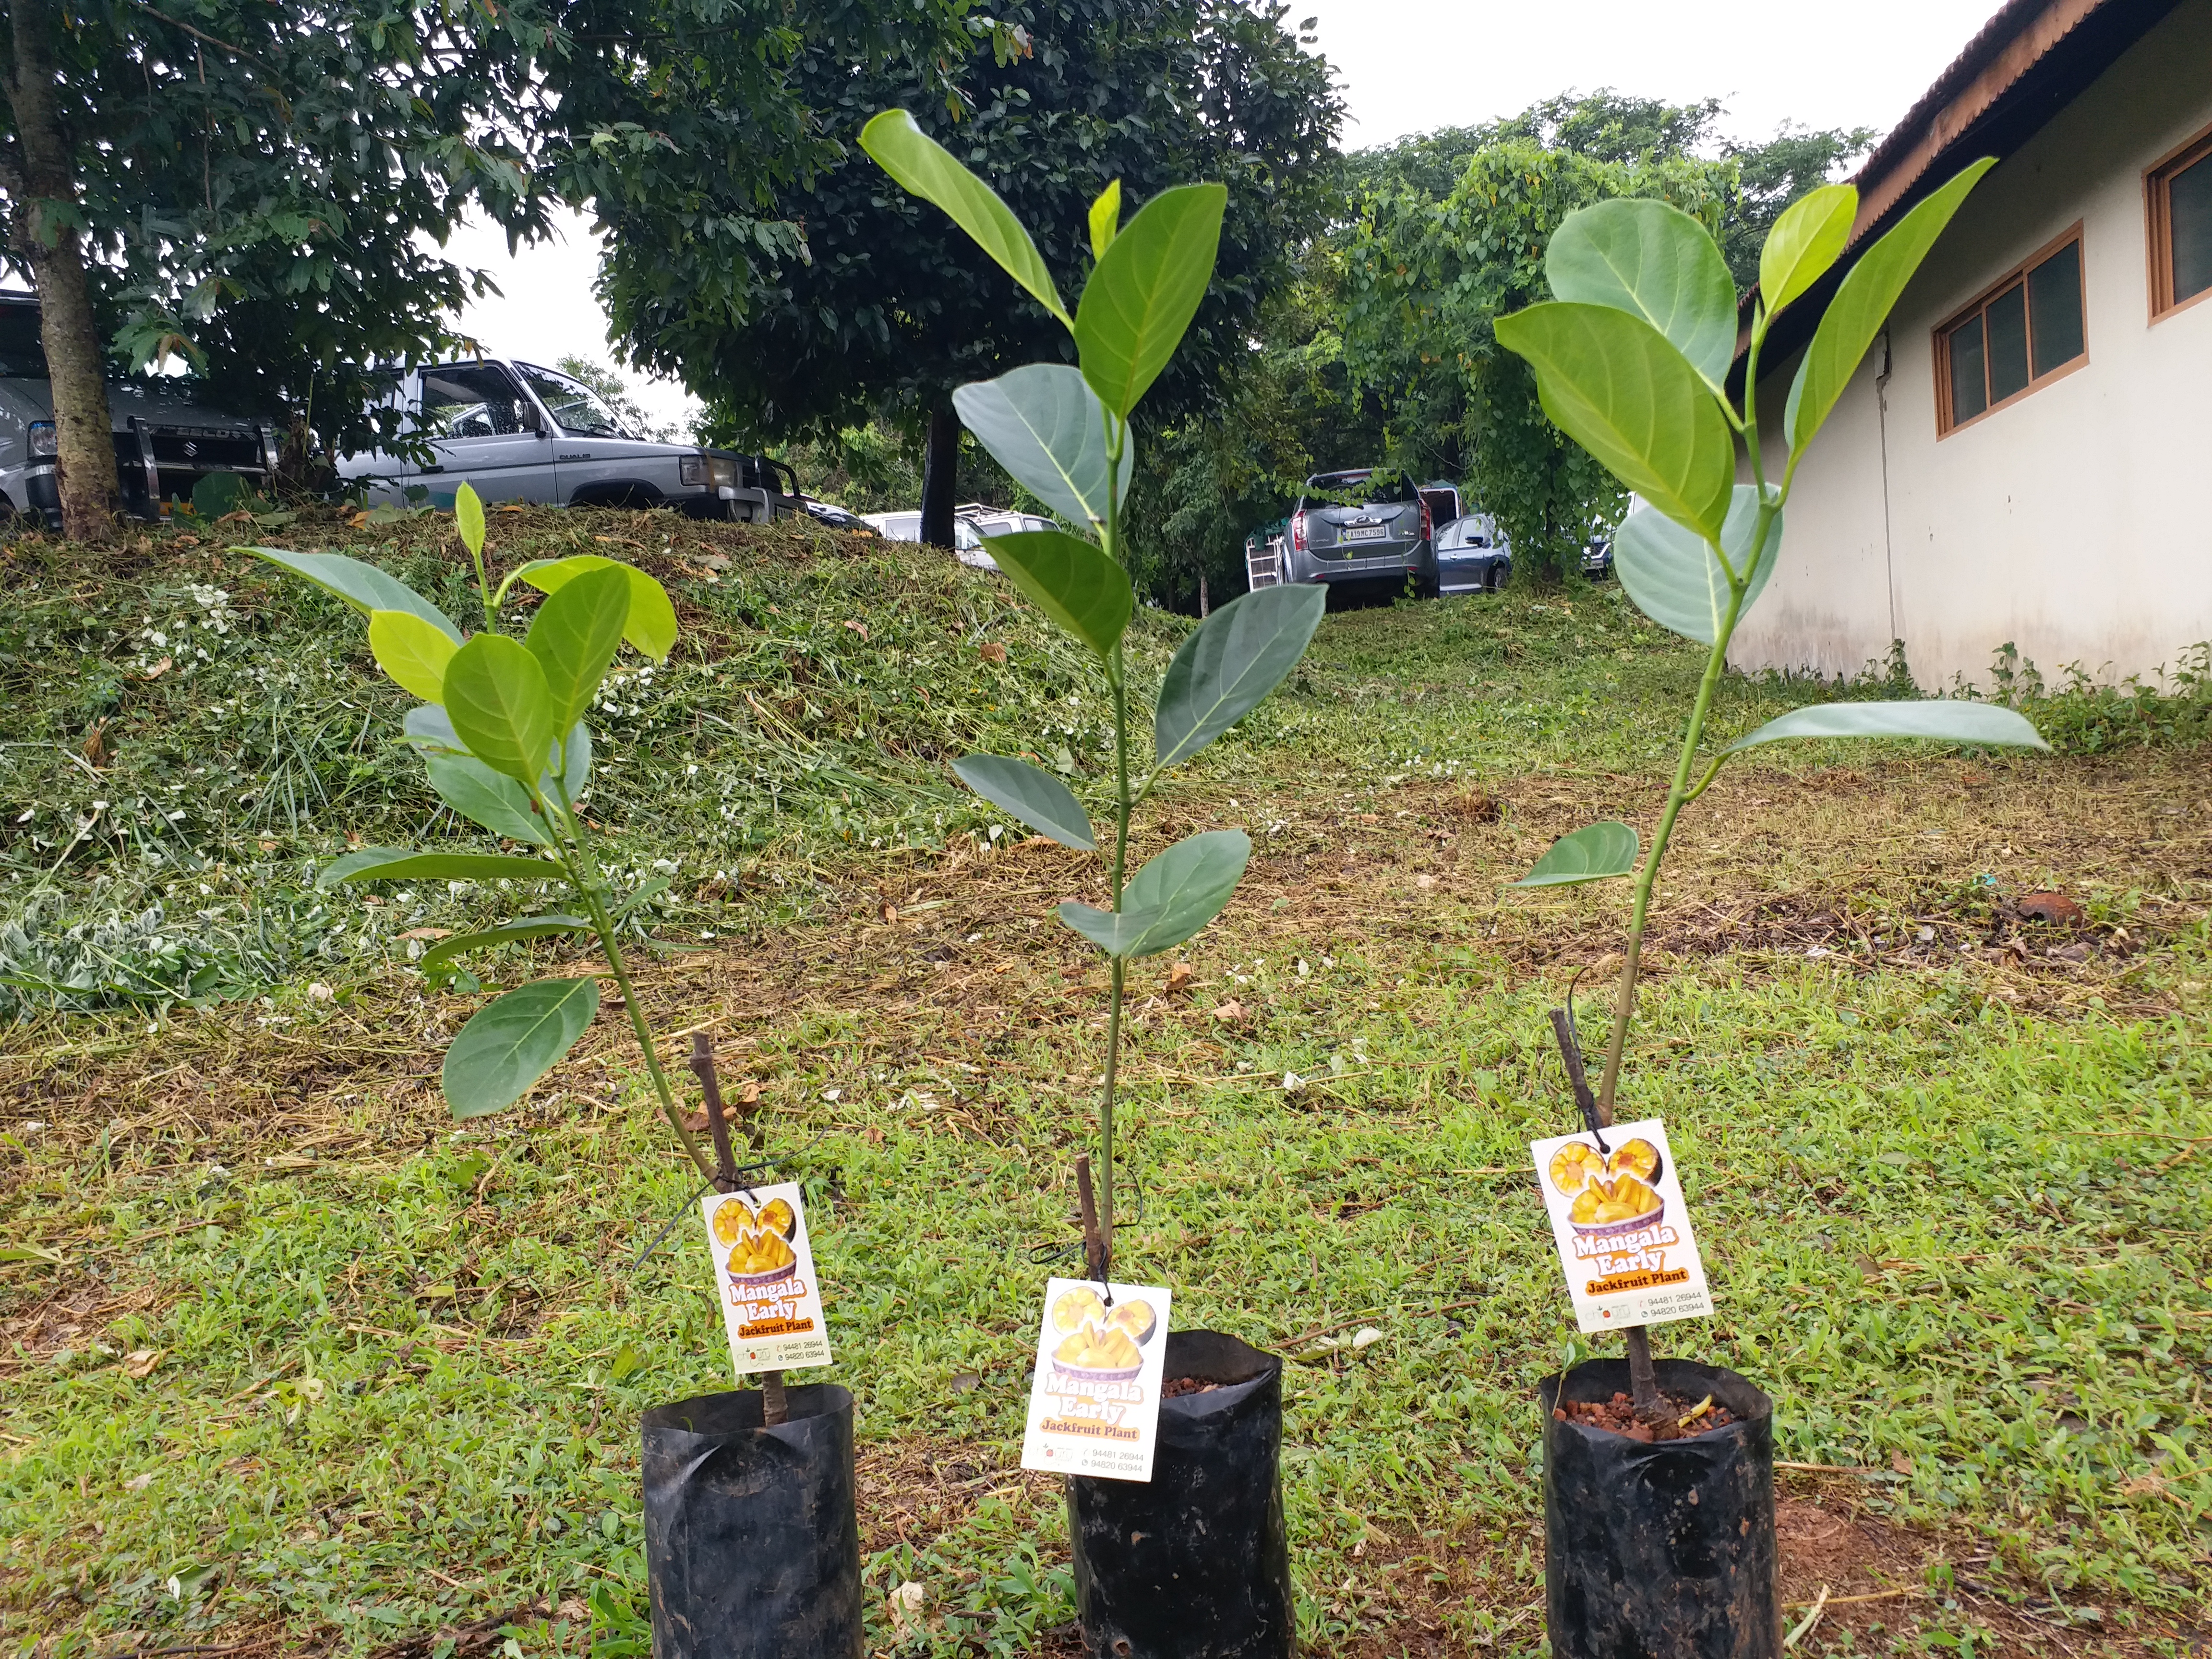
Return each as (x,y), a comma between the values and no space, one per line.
(142,1362)
(271,847)
(993,651)
(412,933)
(888,912)
(1900,1462)
(861,627)
(1230,1012)
(906,1604)
(159,669)
(1180,977)
(512,507)
(139,1482)
(966,1383)
(1425,882)
(2054,907)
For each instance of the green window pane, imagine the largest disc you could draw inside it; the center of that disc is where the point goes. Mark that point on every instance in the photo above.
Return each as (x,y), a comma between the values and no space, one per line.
(2189,212)
(2054,308)
(1970,393)
(2008,326)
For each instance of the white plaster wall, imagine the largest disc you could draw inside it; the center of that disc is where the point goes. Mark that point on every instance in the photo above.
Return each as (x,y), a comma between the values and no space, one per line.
(2075,523)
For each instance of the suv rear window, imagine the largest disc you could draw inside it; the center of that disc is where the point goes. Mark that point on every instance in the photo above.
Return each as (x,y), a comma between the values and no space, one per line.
(1363,487)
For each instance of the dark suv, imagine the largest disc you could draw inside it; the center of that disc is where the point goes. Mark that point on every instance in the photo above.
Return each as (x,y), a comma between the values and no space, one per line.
(1369,525)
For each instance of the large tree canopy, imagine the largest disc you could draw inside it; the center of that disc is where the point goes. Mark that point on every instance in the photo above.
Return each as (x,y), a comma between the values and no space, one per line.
(885,310)
(264,188)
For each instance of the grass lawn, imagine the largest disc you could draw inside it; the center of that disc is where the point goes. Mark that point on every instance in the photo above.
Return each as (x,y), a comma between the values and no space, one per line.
(293,1364)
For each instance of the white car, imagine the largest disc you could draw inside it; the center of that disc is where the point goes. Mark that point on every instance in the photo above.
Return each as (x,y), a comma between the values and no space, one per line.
(970,524)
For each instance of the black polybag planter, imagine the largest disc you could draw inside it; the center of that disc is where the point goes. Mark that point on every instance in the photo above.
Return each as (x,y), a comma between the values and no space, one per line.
(1666,1550)
(1195,1563)
(752,1548)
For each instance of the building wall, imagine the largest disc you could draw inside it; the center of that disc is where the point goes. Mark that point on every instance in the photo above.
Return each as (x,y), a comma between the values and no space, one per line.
(2075,523)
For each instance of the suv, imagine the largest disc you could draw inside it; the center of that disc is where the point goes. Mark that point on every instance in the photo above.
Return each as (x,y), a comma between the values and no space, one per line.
(520,433)
(165,441)
(1367,524)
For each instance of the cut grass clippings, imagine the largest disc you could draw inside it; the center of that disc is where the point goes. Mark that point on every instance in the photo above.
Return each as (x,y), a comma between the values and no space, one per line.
(293,1361)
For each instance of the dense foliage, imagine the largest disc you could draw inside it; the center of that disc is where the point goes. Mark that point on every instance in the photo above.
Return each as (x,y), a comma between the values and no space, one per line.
(1450,234)
(884,310)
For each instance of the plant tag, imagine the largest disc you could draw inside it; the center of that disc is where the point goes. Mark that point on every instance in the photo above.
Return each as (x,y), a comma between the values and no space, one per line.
(1623,1227)
(764,1275)
(1095,1400)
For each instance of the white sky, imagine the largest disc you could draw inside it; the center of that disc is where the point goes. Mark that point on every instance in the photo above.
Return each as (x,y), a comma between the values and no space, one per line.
(1411,65)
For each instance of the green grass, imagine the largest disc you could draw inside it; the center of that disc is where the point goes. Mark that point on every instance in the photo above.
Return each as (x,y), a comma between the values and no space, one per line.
(1952,1201)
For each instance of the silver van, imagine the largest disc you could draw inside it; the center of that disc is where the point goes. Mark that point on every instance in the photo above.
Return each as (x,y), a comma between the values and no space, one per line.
(166,440)
(520,433)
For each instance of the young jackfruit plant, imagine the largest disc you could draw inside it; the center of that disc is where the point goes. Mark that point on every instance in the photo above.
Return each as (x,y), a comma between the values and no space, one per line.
(1632,360)
(1065,433)
(501,730)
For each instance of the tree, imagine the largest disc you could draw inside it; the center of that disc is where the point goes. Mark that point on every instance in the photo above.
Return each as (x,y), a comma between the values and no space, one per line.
(1426,281)
(1289,410)
(250,188)
(1430,269)
(1790,165)
(885,311)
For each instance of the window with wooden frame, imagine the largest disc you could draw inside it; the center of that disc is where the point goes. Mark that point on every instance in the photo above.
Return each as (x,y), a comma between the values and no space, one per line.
(2177,194)
(2026,330)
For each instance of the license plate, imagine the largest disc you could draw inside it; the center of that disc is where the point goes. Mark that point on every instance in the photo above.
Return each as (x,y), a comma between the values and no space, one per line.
(1372,533)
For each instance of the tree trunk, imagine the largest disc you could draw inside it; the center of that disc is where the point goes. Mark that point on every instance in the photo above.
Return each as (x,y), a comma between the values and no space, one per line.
(940,462)
(1204,610)
(84,431)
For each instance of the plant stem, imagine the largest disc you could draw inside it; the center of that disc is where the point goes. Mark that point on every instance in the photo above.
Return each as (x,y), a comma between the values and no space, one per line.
(1677,795)
(583,876)
(1642,1380)
(774,1408)
(1117,675)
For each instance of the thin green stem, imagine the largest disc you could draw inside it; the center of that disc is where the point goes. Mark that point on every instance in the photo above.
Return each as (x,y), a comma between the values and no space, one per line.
(1117,437)
(1678,794)
(584,876)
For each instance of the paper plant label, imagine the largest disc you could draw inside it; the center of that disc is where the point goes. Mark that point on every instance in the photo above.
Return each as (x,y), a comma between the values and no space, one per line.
(764,1279)
(1095,1402)
(1622,1227)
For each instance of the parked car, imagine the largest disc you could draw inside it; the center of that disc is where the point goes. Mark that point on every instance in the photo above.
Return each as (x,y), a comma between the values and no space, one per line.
(1366,524)
(1597,558)
(1473,556)
(520,433)
(167,441)
(971,522)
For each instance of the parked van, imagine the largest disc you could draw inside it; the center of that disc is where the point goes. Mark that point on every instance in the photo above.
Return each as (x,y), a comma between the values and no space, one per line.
(520,433)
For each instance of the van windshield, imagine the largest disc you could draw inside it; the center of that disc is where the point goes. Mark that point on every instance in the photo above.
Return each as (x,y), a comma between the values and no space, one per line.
(21,356)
